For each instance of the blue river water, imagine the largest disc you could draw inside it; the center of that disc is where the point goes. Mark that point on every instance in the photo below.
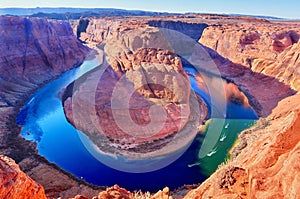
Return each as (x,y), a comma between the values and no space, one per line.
(43,121)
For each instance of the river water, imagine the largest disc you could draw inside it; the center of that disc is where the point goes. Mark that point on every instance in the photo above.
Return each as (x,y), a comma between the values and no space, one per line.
(43,121)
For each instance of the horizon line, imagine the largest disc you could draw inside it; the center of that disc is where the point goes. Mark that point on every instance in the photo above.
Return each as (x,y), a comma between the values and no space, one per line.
(170,12)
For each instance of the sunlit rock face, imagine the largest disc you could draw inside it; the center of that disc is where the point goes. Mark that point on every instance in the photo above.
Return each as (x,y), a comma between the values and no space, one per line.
(142,96)
(270,48)
(16,184)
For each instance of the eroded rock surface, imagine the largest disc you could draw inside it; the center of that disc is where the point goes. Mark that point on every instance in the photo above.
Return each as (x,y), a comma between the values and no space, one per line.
(16,184)
(266,163)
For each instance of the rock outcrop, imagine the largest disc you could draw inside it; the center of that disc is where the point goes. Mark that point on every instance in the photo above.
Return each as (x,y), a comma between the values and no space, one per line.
(16,184)
(265,162)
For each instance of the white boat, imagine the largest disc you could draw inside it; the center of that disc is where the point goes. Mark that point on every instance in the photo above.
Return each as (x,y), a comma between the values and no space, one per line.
(195,164)
(212,152)
(31,100)
(227,125)
(223,137)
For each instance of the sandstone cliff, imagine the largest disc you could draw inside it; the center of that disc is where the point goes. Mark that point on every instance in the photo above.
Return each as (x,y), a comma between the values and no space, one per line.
(266,161)
(33,51)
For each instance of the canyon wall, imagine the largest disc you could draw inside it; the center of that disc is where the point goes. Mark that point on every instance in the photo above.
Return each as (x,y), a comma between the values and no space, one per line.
(266,48)
(33,51)
(251,82)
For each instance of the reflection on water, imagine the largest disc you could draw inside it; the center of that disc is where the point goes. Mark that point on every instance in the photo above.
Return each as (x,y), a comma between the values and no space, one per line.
(43,121)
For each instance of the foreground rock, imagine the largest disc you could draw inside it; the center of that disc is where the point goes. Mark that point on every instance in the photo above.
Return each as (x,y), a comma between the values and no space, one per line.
(16,184)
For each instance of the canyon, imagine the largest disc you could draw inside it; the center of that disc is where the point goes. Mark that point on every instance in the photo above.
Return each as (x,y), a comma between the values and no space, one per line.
(259,56)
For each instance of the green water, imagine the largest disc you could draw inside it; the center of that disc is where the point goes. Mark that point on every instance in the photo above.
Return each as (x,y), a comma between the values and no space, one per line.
(219,152)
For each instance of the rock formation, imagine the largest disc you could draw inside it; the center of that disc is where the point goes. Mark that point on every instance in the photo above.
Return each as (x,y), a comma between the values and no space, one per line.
(266,48)
(262,99)
(266,163)
(16,184)
(137,81)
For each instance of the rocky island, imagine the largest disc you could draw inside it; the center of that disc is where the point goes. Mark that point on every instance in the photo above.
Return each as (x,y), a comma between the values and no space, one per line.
(260,57)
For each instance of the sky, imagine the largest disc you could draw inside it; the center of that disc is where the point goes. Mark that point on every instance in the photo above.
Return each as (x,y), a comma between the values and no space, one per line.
(278,8)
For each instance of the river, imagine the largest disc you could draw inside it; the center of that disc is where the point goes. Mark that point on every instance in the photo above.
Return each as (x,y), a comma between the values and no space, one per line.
(43,121)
